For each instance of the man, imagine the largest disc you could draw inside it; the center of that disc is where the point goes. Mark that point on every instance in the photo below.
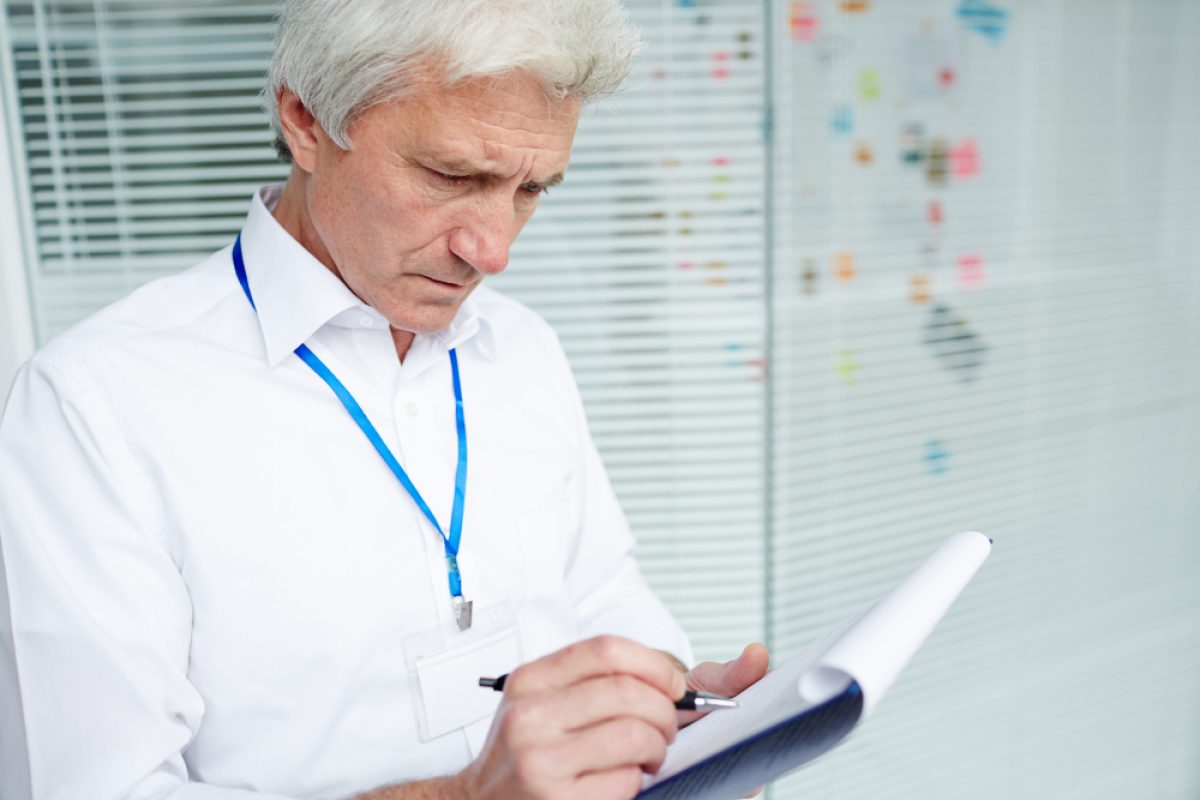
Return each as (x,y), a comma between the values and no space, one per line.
(266,522)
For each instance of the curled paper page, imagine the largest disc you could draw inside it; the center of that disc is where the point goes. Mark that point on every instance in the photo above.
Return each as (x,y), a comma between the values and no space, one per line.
(810,702)
(876,647)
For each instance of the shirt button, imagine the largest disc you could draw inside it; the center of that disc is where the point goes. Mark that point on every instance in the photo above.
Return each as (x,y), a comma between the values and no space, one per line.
(366,321)
(412,409)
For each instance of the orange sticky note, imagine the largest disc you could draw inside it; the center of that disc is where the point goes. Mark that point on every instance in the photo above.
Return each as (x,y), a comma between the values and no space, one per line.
(918,287)
(843,266)
(803,22)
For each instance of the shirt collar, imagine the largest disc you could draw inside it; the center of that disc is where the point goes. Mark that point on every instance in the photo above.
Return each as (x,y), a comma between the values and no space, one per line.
(296,295)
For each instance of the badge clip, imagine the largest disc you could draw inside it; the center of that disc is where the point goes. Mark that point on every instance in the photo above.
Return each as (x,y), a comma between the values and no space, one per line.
(462,612)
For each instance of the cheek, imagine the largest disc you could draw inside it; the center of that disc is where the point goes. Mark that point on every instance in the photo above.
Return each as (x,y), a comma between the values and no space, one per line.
(394,214)
(333,204)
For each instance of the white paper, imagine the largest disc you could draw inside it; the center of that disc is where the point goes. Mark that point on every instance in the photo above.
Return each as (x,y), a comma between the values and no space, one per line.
(884,639)
(871,649)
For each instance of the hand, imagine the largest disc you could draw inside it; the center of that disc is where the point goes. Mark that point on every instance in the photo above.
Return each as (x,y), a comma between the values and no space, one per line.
(584,722)
(727,679)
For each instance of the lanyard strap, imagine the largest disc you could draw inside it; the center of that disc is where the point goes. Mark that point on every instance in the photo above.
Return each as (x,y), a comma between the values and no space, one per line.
(451,541)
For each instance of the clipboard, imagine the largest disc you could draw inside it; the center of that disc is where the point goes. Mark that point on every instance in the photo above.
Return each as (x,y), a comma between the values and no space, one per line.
(811,703)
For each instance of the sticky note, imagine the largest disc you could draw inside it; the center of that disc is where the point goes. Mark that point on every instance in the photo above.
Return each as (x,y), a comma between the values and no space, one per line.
(721,60)
(937,457)
(847,367)
(843,266)
(983,17)
(918,289)
(912,143)
(842,120)
(863,154)
(803,22)
(964,159)
(810,276)
(869,87)
(936,162)
(936,215)
(970,270)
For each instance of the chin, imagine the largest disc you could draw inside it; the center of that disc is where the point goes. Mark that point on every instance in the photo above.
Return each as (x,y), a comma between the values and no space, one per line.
(423,324)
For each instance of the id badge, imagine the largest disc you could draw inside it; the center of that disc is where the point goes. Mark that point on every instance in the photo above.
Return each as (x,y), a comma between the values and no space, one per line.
(445,665)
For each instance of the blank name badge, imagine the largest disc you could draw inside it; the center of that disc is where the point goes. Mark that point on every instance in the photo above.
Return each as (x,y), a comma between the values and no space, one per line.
(445,665)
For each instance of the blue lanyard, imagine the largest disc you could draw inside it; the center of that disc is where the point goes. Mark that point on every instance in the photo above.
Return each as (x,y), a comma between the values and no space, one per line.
(462,608)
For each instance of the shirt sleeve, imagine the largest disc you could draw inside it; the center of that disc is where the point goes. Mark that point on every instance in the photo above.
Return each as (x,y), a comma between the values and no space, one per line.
(95,618)
(609,593)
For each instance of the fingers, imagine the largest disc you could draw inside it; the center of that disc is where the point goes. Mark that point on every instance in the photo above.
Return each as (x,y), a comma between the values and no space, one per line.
(548,715)
(622,782)
(613,744)
(732,677)
(583,722)
(598,657)
(599,699)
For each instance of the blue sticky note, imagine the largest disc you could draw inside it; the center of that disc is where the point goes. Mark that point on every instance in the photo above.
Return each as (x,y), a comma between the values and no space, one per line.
(842,119)
(984,17)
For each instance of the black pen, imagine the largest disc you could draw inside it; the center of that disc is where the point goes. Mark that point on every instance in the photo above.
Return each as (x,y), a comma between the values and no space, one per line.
(691,701)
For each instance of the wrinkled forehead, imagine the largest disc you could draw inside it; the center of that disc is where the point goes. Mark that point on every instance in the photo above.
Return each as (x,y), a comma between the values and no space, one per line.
(496,119)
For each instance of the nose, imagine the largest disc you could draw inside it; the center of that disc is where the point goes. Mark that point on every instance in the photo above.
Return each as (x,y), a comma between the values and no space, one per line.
(485,233)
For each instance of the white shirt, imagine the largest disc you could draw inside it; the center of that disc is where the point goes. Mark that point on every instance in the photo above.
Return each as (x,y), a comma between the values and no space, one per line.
(208,572)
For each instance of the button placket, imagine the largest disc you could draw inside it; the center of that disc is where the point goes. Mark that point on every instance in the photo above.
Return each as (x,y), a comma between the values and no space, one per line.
(433,449)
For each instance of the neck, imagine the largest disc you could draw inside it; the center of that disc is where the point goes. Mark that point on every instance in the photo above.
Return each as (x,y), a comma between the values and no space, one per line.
(291,212)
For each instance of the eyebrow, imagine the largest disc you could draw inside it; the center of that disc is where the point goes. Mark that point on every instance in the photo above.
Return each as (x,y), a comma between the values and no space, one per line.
(457,166)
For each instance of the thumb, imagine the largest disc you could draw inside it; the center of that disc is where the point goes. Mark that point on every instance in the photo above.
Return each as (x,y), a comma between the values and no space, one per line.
(732,677)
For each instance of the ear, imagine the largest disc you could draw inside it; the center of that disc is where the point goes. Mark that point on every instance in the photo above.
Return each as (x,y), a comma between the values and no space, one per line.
(300,129)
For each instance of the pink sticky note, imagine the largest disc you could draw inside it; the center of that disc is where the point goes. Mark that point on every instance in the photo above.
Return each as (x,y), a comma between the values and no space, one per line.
(970,269)
(804,22)
(964,159)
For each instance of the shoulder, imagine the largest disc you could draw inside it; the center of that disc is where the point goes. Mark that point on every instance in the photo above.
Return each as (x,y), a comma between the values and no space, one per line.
(198,304)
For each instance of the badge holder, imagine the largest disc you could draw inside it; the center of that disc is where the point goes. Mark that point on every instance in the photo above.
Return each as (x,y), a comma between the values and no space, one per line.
(445,664)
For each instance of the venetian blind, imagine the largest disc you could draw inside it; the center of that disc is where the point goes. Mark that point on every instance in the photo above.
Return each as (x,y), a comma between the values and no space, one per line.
(987,315)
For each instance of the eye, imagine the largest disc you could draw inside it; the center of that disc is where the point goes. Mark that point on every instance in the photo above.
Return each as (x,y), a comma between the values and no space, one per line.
(447,180)
(534,189)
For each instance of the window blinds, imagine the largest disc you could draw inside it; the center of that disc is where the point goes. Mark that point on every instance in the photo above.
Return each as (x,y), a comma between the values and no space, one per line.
(836,278)
(986,316)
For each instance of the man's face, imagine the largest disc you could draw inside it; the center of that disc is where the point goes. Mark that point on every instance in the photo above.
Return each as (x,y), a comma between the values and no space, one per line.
(435,190)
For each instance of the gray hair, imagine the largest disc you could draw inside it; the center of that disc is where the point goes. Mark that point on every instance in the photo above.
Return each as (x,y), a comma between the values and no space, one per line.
(342,57)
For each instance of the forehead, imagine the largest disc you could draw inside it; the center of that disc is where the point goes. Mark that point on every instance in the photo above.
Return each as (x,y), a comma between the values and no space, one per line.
(503,124)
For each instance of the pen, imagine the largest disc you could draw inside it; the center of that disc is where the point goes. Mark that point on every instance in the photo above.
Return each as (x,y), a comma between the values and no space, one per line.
(691,701)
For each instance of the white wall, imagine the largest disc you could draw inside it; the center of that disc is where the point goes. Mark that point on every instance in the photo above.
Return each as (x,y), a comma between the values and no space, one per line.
(16,321)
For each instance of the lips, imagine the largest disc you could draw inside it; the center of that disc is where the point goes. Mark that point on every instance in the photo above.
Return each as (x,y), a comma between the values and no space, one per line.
(450,285)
